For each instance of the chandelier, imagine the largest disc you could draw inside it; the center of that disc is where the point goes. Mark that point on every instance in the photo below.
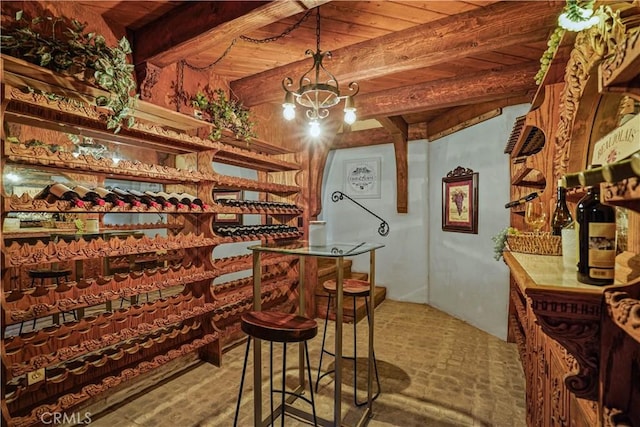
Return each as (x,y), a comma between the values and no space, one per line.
(318,90)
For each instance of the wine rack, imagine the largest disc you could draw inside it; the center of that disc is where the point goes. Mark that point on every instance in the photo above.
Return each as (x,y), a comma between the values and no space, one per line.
(54,368)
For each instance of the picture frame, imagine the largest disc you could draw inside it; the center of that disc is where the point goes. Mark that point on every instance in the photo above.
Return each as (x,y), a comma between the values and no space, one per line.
(460,201)
(228,218)
(362,178)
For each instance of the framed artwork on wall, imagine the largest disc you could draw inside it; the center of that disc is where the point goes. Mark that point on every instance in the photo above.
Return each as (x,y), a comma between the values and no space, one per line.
(362,178)
(460,201)
(230,218)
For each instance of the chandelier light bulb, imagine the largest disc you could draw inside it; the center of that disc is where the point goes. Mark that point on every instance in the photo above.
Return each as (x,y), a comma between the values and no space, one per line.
(289,111)
(350,116)
(314,129)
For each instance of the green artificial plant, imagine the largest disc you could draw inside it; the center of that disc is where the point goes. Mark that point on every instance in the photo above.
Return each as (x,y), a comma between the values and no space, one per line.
(69,50)
(224,114)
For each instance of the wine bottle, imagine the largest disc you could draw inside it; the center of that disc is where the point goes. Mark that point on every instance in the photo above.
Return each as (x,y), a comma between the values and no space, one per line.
(162,201)
(171,198)
(522,200)
(109,196)
(561,215)
(596,225)
(88,195)
(144,198)
(193,201)
(58,191)
(127,197)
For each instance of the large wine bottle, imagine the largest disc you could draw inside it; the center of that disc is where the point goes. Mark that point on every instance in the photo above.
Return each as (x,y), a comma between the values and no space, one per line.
(561,215)
(88,195)
(109,196)
(58,191)
(596,239)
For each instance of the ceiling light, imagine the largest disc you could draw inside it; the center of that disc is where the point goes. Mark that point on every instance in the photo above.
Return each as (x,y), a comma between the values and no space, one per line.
(318,90)
(578,16)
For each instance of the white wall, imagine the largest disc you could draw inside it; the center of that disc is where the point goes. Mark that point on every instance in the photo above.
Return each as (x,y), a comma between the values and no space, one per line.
(454,272)
(401,265)
(465,280)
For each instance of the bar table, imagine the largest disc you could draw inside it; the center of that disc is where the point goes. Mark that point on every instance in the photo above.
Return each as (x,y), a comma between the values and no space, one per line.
(338,251)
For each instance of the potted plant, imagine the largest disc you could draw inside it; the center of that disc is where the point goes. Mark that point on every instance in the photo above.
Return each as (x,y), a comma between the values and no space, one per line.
(69,50)
(224,114)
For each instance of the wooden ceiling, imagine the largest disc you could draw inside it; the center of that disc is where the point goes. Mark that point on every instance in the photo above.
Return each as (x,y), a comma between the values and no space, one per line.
(426,61)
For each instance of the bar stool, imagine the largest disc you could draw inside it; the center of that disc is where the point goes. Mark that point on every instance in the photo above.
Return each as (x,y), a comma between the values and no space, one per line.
(286,328)
(47,273)
(350,288)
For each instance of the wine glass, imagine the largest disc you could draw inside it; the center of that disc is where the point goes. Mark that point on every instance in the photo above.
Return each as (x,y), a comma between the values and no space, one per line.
(535,215)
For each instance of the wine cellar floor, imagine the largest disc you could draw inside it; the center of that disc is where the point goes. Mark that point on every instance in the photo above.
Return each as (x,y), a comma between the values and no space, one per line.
(435,370)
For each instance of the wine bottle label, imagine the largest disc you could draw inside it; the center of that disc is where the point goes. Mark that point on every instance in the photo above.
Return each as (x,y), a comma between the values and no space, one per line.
(602,250)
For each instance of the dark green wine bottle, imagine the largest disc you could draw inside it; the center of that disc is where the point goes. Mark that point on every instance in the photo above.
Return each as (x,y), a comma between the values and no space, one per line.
(596,239)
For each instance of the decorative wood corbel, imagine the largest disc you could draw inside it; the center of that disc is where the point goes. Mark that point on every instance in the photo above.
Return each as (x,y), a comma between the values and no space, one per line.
(574,321)
(147,75)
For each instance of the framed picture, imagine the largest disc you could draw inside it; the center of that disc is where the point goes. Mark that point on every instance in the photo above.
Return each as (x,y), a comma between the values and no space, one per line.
(231,218)
(460,201)
(362,178)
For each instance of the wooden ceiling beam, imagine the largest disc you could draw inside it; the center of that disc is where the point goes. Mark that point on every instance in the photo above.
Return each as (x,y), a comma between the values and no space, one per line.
(399,130)
(199,26)
(485,29)
(451,121)
(506,82)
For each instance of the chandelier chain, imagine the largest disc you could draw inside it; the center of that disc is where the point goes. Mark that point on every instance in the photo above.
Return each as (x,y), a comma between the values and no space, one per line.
(250,40)
(318,31)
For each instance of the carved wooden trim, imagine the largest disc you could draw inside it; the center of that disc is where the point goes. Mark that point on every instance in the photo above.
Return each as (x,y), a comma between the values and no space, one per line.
(573,320)
(20,254)
(460,171)
(68,341)
(613,417)
(625,312)
(70,400)
(65,372)
(21,305)
(591,47)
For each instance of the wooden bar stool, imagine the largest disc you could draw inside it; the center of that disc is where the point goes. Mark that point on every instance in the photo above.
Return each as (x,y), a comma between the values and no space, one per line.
(48,273)
(357,289)
(286,328)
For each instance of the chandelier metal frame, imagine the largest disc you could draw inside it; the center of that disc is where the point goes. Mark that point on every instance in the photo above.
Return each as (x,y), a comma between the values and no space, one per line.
(318,89)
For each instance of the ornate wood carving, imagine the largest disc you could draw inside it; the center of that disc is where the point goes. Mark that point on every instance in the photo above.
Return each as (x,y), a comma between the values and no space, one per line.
(624,311)
(72,399)
(591,47)
(21,305)
(574,321)
(65,342)
(18,254)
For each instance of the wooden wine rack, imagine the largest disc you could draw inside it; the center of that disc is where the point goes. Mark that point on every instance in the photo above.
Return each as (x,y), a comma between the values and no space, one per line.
(58,367)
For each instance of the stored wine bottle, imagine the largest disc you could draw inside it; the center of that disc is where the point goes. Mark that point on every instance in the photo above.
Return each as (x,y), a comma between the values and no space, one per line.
(190,200)
(162,201)
(88,195)
(522,200)
(596,225)
(127,197)
(57,191)
(171,198)
(109,196)
(561,215)
(144,198)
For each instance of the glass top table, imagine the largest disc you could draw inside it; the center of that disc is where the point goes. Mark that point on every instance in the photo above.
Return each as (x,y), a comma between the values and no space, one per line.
(338,251)
(331,250)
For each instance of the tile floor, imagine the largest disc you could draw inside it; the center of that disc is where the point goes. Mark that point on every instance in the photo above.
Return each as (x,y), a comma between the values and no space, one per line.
(435,371)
